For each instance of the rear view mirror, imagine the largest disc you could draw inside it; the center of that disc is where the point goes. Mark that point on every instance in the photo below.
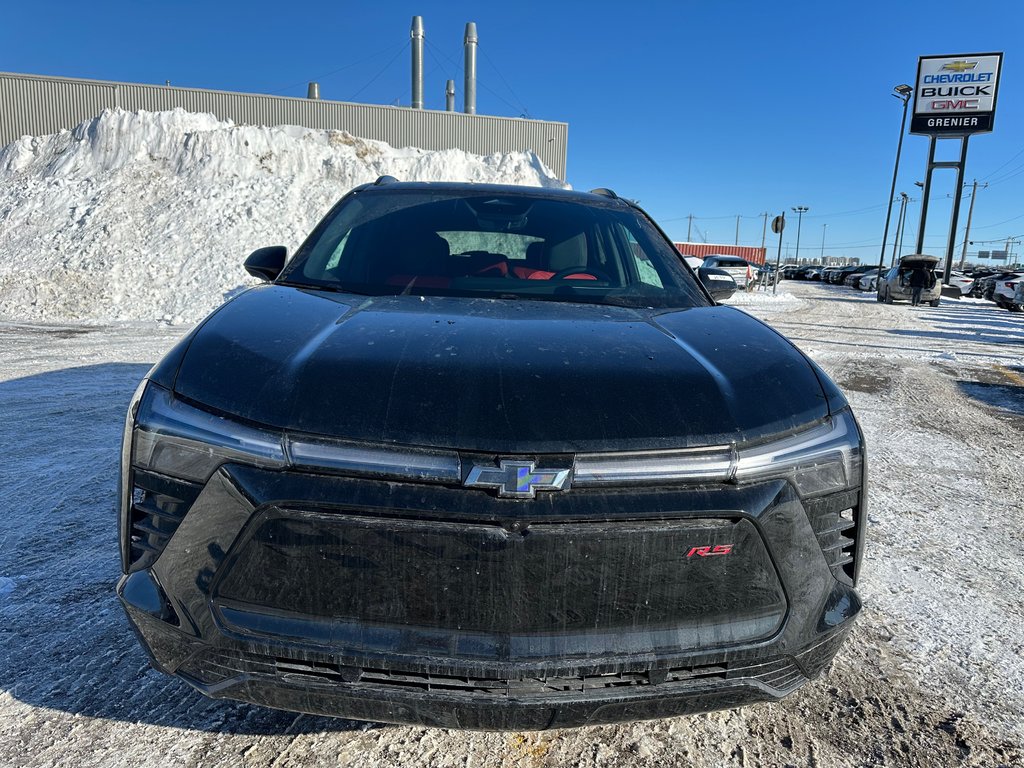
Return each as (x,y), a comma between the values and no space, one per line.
(718,282)
(266,263)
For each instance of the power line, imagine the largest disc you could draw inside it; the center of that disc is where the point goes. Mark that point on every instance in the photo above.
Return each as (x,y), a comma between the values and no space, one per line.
(997,170)
(1000,223)
(854,212)
(318,78)
(386,67)
(514,95)
(483,84)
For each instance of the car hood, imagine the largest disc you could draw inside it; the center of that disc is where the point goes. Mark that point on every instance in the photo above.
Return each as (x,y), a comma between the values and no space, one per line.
(498,376)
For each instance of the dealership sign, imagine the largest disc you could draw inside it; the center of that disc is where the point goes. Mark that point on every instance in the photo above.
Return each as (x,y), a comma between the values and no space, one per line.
(956,95)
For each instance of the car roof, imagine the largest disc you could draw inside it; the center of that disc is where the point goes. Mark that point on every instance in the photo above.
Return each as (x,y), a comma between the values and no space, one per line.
(597,197)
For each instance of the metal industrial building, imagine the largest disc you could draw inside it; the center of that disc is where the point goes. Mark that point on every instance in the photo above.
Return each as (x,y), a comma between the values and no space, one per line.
(38,105)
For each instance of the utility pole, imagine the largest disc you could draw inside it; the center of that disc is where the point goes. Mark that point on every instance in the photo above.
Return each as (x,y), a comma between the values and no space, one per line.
(823,228)
(764,229)
(799,210)
(737,229)
(967,231)
(689,226)
(903,227)
(900,227)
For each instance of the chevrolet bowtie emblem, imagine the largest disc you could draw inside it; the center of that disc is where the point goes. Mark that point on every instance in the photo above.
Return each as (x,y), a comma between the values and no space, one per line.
(517,479)
(959,66)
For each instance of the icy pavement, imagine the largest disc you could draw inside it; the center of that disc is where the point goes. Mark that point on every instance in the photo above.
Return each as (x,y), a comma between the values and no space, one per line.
(933,675)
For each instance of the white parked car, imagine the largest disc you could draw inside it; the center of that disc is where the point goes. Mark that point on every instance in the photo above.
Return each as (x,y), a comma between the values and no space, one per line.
(1005,292)
(961,281)
(739,268)
(869,281)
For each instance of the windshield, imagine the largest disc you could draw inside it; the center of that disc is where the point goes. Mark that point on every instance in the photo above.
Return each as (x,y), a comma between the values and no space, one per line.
(506,245)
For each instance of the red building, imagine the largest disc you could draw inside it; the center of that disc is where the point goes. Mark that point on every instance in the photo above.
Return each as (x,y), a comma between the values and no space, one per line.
(703,250)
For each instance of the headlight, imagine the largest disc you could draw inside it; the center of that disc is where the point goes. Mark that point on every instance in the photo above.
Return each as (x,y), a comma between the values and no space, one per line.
(819,460)
(176,439)
(169,449)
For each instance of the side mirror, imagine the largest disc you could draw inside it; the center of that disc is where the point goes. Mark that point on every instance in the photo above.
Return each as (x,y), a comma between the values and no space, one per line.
(266,263)
(718,282)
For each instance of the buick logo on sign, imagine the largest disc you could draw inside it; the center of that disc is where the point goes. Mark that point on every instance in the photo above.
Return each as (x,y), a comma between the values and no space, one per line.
(517,479)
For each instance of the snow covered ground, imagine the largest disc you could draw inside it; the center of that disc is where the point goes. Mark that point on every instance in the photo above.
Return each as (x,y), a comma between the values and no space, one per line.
(933,676)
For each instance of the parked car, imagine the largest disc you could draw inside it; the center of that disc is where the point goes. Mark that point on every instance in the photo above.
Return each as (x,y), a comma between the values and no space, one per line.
(850,278)
(869,282)
(837,277)
(857,279)
(960,281)
(489,457)
(988,284)
(894,285)
(826,272)
(980,277)
(813,273)
(741,270)
(1005,288)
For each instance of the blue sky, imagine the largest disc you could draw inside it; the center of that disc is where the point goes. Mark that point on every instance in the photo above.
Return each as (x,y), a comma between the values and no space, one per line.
(712,109)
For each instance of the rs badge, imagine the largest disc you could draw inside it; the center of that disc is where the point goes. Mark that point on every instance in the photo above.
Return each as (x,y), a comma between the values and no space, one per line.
(709,551)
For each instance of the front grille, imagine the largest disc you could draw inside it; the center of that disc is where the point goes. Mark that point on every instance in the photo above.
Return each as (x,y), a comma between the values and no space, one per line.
(835,521)
(158,505)
(216,666)
(315,570)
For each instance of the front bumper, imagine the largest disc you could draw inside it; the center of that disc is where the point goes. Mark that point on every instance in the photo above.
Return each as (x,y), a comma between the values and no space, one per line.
(384,608)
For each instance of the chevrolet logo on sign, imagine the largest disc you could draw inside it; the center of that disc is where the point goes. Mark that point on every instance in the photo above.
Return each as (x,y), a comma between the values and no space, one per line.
(517,479)
(959,66)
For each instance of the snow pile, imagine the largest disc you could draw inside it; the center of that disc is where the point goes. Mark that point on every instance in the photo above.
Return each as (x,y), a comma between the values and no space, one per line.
(149,215)
(764,300)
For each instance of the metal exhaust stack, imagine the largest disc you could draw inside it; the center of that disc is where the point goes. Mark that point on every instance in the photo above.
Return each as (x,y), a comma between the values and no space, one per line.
(470,43)
(449,96)
(417,62)
(313,92)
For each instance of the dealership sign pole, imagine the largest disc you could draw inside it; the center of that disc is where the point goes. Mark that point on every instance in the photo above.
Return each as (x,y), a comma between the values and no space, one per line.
(955,97)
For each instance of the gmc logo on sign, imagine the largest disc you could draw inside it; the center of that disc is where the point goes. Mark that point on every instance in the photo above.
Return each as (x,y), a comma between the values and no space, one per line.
(709,551)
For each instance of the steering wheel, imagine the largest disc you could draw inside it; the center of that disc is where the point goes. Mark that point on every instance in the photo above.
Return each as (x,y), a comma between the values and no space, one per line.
(562,274)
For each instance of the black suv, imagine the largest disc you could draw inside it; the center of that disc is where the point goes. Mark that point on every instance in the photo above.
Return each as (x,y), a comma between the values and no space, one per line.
(489,457)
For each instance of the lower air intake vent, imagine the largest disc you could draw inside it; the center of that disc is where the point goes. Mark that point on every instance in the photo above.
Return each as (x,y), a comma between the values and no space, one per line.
(215,666)
(159,504)
(834,519)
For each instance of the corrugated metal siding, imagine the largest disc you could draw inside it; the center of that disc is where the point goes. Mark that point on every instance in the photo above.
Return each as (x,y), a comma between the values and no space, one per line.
(702,250)
(36,105)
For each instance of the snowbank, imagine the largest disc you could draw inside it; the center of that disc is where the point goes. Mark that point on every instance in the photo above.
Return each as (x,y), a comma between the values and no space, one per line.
(764,300)
(149,215)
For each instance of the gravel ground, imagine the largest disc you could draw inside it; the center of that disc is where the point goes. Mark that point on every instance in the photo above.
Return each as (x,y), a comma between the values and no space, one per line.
(933,675)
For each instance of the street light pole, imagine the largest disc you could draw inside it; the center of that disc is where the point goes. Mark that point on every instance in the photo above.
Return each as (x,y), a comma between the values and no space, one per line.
(902,92)
(799,210)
